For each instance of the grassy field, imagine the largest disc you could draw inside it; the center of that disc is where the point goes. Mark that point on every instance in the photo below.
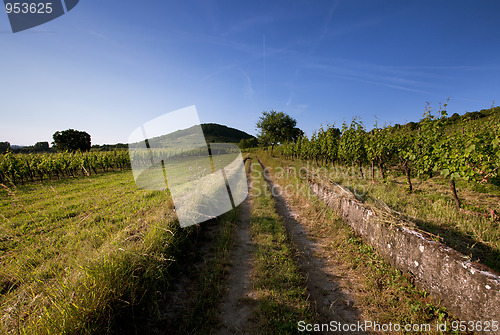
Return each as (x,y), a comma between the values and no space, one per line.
(74,251)
(83,254)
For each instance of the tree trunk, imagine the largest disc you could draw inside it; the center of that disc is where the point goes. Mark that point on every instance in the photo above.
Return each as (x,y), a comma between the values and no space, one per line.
(272,147)
(408,176)
(454,193)
(361,170)
(373,171)
(381,166)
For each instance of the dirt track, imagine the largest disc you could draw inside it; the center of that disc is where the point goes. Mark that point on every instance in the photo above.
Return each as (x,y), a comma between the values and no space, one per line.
(237,304)
(327,286)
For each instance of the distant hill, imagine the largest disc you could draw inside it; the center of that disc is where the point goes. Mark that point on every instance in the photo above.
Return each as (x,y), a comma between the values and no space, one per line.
(214,133)
(217,133)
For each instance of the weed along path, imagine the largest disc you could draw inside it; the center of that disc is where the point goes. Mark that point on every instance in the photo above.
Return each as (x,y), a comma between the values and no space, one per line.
(329,290)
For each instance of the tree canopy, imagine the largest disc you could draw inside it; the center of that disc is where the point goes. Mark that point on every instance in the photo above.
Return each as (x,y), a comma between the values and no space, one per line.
(248,143)
(277,127)
(71,140)
(4,147)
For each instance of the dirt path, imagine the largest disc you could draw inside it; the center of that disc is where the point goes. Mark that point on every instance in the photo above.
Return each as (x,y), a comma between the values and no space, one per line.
(237,304)
(328,289)
(327,285)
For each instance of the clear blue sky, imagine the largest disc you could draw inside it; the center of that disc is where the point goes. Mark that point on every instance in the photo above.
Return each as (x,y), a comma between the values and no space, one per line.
(108,66)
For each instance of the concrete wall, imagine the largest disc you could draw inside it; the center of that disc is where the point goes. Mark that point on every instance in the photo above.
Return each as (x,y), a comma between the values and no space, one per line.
(469,290)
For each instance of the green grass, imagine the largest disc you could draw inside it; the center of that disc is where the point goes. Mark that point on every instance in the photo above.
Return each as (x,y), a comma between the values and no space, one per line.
(279,285)
(383,293)
(77,252)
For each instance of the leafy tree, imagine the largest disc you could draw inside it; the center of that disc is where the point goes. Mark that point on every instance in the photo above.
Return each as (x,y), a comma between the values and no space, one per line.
(332,143)
(71,140)
(248,143)
(429,136)
(4,147)
(326,142)
(277,128)
(41,146)
(473,155)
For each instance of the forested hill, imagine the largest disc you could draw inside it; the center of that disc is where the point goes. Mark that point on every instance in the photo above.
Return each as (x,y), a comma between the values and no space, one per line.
(217,133)
(214,133)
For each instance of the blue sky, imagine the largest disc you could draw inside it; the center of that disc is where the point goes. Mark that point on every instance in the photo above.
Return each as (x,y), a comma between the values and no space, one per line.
(109,66)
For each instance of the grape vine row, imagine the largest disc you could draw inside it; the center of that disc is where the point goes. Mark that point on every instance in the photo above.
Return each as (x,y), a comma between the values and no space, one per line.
(469,150)
(19,168)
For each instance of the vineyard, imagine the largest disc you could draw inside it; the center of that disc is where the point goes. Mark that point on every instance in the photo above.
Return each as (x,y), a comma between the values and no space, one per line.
(469,150)
(19,168)
(82,255)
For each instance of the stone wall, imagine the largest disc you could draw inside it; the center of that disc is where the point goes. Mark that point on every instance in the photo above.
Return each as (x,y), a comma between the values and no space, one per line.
(469,290)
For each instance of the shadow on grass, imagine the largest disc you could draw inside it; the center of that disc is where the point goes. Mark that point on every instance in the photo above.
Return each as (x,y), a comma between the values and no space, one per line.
(166,306)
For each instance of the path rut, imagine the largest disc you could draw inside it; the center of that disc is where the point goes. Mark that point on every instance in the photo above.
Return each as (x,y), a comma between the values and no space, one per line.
(328,287)
(237,305)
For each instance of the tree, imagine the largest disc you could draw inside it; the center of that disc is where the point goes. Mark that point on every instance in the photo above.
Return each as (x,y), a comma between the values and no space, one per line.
(71,140)
(380,148)
(248,143)
(41,146)
(4,147)
(276,128)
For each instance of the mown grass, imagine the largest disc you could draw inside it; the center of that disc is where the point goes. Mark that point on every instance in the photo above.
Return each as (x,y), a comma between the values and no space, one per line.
(78,252)
(277,281)
(383,293)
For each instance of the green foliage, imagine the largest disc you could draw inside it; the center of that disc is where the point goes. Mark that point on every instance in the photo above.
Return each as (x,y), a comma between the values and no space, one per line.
(473,154)
(109,147)
(15,168)
(71,140)
(41,147)
(469,150)
(277,128)
(216,133)
(380,147)
(352,145)
(4,147)
(248,143)
(427,140)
